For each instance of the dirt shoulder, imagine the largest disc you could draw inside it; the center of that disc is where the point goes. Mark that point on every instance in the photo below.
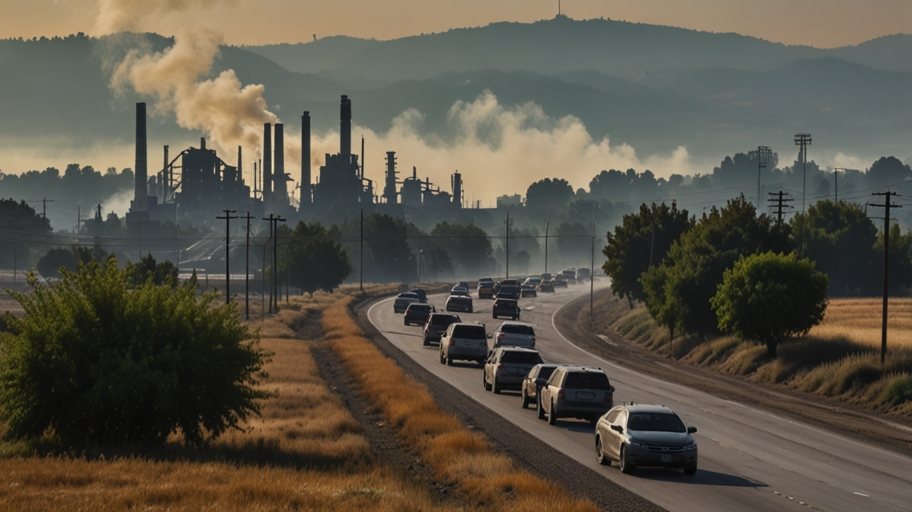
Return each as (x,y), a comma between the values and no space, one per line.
(573,322)
(526,450)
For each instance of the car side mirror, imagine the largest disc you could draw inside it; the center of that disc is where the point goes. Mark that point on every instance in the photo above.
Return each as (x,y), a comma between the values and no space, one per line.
(490,335)
(617,428)
(611,388)
(691,430)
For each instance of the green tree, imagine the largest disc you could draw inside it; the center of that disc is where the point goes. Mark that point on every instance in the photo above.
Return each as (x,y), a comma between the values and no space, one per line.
(840,239)
(95,359)
(574,241)
(900,260)
(679,290)
(549,195)
(641,241)
(769,297)
(387,237)
(23,219)
(468,246)
(314,260)
(164,273)
(51,262)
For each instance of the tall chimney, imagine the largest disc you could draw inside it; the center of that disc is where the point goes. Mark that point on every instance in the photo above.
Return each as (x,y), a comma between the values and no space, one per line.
(345,129)
(240,175)
(267,163)
(280,186)
(141,166)
(166,178)
(305,158)
(389,190)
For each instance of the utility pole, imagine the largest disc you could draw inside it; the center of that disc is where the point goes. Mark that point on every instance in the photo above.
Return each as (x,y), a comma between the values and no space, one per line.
(247,269)
(361,255)
(227,218)
(508,245)
(547,227)
(274,230)
(44,201)
(836,181)
(803,140)
(592,275)
(780,199)
(763,156)
(886,206)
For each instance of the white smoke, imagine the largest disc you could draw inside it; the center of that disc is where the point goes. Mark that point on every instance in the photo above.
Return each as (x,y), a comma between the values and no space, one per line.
(499,150)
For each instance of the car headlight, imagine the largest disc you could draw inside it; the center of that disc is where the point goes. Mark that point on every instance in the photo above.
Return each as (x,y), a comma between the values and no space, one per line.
(638,444)
(690,447)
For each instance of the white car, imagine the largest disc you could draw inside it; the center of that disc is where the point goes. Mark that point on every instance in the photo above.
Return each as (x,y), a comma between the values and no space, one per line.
(513,334)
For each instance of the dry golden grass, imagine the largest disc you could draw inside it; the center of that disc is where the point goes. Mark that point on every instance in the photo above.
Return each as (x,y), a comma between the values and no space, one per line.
(839,358)
(306,452)
(859,320)
(455,454)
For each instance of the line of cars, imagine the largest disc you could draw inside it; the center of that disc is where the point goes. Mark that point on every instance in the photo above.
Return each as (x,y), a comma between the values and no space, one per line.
(632,435)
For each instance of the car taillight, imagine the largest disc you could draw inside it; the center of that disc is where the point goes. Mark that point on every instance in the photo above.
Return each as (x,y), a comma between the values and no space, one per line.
(561,395)
(500,336)
(500,367)
(452,342)
(607,399)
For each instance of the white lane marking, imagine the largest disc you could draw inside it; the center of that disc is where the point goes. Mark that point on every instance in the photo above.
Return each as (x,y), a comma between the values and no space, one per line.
(860,494)
(679,386)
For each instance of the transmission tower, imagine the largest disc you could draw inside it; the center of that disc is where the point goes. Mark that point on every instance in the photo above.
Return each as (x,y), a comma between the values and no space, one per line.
(764,155)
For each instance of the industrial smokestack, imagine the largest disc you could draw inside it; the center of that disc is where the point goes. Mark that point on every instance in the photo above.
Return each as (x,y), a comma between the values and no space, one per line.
(345,129)
(305,158)
(280,187)
(267,163)
(389,190)
(240,174)
(141,166)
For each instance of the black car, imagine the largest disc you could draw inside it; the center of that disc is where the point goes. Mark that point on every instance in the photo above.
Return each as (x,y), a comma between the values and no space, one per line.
(486,289)
(418,313)
(505,307)
(422,295)
(436,325)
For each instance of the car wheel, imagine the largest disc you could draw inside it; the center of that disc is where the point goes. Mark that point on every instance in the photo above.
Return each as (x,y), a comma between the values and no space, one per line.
(552,418)
(494,387)
(494,316)
(541,410)
(426,342)
(406,322)
(691,470)
(449,361)
(442,357)
(625,466)
(484,379)
(524,402)
(599,454)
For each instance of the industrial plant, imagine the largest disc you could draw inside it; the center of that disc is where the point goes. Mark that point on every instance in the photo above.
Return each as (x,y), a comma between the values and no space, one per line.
(197,184)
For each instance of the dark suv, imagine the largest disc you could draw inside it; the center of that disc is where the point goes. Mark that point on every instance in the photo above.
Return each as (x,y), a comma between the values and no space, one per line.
(505,307)
(436,325)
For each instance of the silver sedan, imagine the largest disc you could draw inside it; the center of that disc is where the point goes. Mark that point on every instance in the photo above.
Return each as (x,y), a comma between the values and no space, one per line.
(645,435)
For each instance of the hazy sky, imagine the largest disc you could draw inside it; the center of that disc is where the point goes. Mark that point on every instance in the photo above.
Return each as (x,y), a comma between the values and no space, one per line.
(821,23)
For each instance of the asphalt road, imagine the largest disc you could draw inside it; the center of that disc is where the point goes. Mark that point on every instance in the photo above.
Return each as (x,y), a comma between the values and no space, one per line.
(749,459)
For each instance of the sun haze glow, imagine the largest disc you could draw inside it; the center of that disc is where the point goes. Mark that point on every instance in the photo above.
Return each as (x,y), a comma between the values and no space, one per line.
(821,23)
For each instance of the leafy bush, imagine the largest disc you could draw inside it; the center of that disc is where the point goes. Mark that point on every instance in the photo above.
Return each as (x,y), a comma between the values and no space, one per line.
(96,359)
(768,297)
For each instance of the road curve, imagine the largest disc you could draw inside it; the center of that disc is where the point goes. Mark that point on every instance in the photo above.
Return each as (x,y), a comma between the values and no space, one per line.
(749,459)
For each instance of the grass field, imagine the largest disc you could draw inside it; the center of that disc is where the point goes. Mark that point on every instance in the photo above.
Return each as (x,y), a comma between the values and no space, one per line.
(840,358)
(859,320)
(306,452)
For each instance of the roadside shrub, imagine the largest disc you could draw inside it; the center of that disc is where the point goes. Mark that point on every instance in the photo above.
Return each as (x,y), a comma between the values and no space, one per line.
(95,359)
(898,390)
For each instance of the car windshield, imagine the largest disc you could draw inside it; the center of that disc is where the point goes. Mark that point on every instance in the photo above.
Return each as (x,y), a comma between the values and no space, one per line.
(586,380)
(655,422)
(471,332)
(518,329)
(521,357)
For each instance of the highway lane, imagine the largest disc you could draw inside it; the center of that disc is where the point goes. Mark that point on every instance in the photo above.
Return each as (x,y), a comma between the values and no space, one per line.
(749,459)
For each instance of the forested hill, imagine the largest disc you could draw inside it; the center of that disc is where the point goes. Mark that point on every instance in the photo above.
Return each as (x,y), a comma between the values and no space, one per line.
(561,44)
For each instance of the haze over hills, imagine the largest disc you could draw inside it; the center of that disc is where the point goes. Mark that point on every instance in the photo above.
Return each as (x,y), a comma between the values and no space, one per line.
(654,88)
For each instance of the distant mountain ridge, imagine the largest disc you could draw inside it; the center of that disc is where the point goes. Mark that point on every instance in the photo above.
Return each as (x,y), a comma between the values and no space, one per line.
(561,45)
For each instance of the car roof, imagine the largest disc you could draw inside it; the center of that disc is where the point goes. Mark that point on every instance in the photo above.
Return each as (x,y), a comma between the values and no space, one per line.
(572,368)
(408,295)
(511,322)
(648,408)
(516,349)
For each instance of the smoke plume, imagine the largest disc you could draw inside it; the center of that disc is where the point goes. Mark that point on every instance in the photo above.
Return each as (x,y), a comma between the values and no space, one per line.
(230,113)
